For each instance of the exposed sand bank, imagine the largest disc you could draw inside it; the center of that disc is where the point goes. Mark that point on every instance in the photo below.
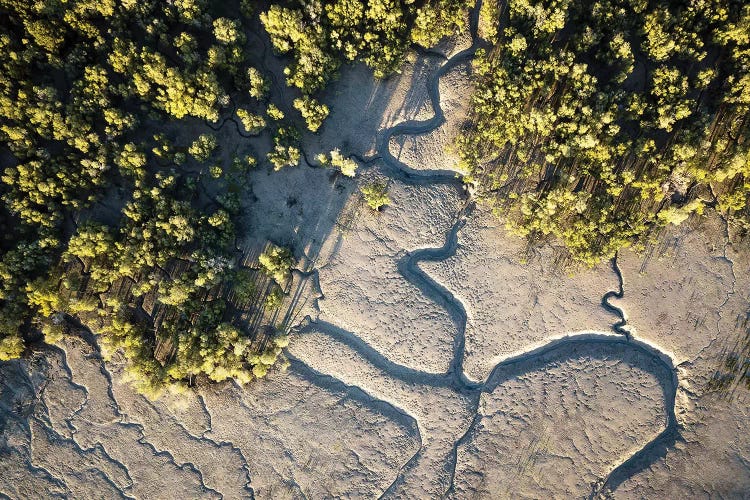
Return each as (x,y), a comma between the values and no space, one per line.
(430,356)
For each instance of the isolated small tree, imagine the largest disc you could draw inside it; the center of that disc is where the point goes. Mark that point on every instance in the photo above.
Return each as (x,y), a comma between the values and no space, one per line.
(276,262)
(283,156)
(258,85)
(202,147)
(216,171)
(252,123)
(347,166)
(260,370)
(312,111)
(285,152)
(274,112)
(376,195)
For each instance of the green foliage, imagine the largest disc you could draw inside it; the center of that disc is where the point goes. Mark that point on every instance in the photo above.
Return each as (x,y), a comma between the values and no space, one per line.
(276,262)
(94,97)
(285,152)
(11,347)
(228,31)
(274,113)
(247,8)
(347,166)
(289,31)
(216,171)
(177,92)
(568,141)
(241,165)
(190,11)
(274,298)
(243,286)
(270,356)
(376,195)
(253,124)
(258,85)
(435,20)
(203,147)
(312,111)
(170,253)
(131,161)
(378,32)
(90,95)
(53,331)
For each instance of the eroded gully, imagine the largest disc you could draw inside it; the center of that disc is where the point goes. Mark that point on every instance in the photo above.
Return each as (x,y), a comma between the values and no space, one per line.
(455,378)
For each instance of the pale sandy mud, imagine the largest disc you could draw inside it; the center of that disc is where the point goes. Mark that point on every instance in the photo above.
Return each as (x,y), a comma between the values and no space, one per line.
(553,425)
(690,295)
(515,302)
(431,354)
(98,421)
(306,435)
(711,458)
(434,150)
(300,434)
(84,447)
(362,106)
(365,293)
(441,410)
(676,294)
(299,213)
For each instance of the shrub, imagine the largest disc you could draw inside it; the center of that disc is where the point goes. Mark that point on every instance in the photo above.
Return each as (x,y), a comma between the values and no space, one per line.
(274,112)
(258,85)
(375,195)
(253,124)
(347,166)
(276,262)
(228,31)
(11,347)
(312,111)
(275,298)
(285,152)
(203,147)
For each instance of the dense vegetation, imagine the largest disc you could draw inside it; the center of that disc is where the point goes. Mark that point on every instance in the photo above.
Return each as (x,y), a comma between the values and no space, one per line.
(378,32)
(592,123)
(86,86)
(118,202)
(597,123)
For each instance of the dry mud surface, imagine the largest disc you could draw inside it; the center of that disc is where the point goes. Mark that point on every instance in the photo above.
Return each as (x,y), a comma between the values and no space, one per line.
(431,356)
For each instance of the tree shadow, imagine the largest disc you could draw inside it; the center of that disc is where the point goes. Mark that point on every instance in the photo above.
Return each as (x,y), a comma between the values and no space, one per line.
(306,208)
(732,374)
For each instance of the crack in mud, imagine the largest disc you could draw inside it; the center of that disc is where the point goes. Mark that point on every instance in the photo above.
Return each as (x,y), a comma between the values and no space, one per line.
(456,379)
(124,420)
(733,289)
(54,436)
(40,416)
(211,442)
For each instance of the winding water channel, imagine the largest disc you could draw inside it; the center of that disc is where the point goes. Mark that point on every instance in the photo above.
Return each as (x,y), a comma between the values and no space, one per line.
(455,378)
